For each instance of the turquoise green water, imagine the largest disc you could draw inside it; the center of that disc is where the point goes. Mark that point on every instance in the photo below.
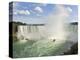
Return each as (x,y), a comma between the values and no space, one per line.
(44,47)
(37,48)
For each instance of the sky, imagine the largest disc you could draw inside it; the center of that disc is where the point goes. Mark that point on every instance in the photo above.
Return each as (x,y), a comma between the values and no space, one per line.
(28,12)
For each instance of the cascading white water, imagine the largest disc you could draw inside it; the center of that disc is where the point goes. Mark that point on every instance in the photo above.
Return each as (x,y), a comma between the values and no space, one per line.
(30,32)
(22,30)
(53,29)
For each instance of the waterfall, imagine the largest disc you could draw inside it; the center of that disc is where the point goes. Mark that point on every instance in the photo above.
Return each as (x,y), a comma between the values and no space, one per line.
(22,31)
(54,27)
(30,32)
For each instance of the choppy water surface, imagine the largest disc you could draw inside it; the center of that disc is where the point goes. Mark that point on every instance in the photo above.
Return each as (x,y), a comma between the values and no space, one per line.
(45,47)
